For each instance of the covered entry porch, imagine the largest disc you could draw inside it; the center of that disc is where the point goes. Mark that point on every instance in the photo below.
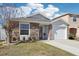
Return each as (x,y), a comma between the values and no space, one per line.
(44,32)
(20,30)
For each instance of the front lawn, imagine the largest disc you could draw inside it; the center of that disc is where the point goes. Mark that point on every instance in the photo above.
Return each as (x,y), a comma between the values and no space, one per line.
(33,49)
(1,42)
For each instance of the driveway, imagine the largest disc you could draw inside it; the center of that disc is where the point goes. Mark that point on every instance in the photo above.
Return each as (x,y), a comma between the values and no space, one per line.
(71,46)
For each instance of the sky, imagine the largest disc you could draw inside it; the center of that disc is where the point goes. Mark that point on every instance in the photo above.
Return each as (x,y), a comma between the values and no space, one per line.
(49,10)
(64,7)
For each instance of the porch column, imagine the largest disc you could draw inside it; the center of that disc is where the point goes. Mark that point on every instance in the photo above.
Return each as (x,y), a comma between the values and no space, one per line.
(77,34)
(49,32)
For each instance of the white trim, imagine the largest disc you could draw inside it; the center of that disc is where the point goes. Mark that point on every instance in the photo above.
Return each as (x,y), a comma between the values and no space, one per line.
(29,21)
(24,23)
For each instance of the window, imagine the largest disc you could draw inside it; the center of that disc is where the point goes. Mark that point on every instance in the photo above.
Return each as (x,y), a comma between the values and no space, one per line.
(24,26)
(24,29)
(24,32)
(74,19)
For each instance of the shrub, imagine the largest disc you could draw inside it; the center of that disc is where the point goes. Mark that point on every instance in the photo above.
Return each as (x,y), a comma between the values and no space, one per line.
(32,39)
(1,44)
(72,36)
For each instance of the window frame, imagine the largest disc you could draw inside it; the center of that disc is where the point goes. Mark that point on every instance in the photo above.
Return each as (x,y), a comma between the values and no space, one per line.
(74,18)
(24,33)
(24,29)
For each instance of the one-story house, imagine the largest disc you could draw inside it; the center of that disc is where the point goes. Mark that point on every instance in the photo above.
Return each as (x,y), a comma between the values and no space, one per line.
(42,28)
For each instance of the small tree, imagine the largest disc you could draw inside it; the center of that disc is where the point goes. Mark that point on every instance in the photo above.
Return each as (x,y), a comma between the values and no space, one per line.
(5,27)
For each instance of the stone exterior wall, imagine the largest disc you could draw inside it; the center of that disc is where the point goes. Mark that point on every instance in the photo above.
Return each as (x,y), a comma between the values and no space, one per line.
(34,30)
(13,30)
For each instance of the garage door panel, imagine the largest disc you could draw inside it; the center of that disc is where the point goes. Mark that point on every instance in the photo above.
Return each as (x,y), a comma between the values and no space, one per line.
(60,32)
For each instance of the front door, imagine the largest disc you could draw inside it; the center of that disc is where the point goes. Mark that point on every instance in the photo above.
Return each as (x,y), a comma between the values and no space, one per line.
(43,33)
(40,33)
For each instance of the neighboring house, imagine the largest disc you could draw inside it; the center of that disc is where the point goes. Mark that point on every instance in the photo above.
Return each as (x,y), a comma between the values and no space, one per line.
(42,28)
(3,35)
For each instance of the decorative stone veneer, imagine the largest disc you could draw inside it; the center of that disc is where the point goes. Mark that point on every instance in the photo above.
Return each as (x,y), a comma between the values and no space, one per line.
(34,30)
(13,31)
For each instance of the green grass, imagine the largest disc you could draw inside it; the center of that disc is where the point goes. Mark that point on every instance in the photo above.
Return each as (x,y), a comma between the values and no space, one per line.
(1,42)
(33,49)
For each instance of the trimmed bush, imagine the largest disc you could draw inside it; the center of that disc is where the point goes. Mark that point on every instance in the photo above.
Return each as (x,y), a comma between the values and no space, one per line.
(72,36)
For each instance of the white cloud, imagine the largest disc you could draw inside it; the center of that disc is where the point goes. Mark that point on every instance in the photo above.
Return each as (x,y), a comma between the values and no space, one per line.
(50,11)
(26,10)
(56,15)
(52,8)
(23,11)
(35,5)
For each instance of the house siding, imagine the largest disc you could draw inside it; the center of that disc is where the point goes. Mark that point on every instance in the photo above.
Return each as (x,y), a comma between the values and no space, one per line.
(66,18)
(72,24)
(75,24)
(77,34)
(50,32)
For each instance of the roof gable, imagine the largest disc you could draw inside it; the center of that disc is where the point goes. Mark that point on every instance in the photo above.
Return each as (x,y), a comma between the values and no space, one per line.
(38,17)
(70,14)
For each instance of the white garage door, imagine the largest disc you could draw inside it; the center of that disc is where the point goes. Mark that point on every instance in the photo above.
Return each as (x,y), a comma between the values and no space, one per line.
(59,30)
(60,33)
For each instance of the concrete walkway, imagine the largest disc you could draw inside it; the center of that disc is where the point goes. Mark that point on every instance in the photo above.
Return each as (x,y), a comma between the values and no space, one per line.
(71,46)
